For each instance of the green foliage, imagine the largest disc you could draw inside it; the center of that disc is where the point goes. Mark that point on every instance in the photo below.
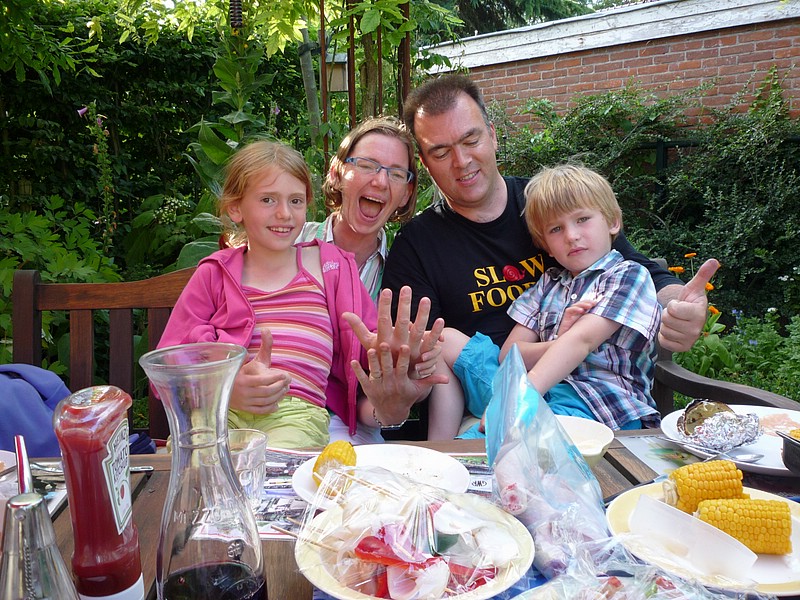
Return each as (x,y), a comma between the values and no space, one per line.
(105,179)
(239,58)
(734,197)
(709,356)
(498,15)
(756,352)
(614,133)
(48,51)
(150,97)
(718,196)
(236,70)
(166,224)
(60,240)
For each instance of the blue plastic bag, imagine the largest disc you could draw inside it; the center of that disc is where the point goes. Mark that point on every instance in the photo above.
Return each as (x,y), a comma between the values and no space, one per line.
(540,476)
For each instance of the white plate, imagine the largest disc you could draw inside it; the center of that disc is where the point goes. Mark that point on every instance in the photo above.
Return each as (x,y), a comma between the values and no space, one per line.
(422,465)
(312,563)
(769,443)
(778,575)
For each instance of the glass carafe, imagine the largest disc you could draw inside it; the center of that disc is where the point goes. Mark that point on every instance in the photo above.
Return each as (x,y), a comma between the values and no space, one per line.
(209,545)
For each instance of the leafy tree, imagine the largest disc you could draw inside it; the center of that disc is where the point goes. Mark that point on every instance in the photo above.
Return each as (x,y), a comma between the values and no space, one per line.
(27,45)
(482,16)
(150,97)
(277,26)
(729,190)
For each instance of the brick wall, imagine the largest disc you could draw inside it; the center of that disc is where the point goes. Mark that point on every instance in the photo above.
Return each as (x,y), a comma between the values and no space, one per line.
(739,57)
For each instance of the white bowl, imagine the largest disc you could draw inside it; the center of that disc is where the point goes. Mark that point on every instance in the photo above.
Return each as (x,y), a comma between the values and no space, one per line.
(590,437)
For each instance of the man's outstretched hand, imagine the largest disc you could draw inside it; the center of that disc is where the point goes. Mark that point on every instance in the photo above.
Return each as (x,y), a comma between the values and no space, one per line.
(683,317)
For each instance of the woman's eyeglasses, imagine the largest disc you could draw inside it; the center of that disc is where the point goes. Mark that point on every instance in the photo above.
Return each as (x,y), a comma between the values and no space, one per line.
(371,167)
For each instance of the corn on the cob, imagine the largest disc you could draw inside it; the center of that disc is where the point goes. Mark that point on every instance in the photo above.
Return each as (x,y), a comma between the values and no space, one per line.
(764,526)
(690,484)
(336,454)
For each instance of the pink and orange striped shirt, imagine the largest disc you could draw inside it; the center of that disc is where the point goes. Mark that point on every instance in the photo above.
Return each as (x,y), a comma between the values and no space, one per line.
(302,333)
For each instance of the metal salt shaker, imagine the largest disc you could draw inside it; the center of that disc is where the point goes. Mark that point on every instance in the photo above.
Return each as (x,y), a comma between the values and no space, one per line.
(32,567)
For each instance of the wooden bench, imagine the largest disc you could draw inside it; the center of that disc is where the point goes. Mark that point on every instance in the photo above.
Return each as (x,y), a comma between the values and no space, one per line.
(158,295)
(124,301)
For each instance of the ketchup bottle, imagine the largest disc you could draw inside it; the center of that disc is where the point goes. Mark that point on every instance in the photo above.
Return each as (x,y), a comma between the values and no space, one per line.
(92,429)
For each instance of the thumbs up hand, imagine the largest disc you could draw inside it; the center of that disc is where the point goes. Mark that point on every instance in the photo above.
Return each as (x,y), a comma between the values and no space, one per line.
(258,387)
(684,316)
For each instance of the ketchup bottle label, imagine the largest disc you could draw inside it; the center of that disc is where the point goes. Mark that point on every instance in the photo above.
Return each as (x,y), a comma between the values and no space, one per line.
(116,467)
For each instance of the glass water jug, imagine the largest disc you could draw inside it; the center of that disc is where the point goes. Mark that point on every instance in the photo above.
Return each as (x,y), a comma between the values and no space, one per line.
(209,545)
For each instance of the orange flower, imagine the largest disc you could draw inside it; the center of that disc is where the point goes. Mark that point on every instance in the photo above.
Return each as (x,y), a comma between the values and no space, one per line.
(676,270)
(713,310)
(690,255)
(709,287)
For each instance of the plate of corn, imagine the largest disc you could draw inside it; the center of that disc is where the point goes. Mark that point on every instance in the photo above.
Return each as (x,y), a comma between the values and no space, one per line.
(712,492)
(769,443)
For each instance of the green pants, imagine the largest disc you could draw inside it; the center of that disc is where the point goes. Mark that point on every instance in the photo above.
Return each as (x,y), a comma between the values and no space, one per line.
(296,424)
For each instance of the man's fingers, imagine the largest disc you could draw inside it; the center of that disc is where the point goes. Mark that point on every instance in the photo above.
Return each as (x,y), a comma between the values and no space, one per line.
(697,286)
(681,324)
(403,321)
(385,315)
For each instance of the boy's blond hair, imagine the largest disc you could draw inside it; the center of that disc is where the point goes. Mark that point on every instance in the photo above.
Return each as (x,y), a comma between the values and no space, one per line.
(251,160)
(562,189)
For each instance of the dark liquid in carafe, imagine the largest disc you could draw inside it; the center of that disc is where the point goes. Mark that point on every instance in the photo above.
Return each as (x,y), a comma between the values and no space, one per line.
(215,581)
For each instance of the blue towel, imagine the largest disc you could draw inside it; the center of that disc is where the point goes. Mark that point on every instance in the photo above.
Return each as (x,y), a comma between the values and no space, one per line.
(28,397)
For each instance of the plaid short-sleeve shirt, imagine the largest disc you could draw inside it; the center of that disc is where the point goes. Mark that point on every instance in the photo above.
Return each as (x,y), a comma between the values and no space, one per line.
(616,379)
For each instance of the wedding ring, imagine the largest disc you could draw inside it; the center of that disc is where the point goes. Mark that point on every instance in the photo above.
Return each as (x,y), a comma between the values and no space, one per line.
(375,377)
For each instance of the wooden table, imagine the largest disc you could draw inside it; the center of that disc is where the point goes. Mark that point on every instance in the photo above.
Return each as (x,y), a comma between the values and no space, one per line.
(618,471)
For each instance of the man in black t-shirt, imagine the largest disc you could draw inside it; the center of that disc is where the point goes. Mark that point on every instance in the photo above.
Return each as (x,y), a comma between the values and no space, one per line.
(471,252)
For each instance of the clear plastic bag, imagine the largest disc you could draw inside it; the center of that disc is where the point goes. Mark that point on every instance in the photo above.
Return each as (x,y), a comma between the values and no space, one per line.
(385,536)
(540,476)
(604,570)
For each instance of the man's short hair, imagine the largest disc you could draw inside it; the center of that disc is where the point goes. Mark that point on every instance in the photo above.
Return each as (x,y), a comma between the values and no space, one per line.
(438,95)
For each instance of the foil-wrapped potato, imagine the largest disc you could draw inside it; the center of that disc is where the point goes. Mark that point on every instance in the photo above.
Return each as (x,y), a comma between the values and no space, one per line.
(715,426)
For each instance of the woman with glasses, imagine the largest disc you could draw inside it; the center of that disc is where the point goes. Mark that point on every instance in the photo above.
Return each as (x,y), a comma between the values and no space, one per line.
(372,180)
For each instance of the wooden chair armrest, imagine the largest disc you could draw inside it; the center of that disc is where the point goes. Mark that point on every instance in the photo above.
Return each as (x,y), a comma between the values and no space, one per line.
(675,377)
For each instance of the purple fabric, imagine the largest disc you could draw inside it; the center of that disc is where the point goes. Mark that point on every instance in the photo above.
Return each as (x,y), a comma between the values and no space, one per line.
(28,396)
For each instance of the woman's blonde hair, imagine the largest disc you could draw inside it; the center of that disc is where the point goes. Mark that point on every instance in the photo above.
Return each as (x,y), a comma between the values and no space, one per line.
(250,160)
(388,126)
(562,189)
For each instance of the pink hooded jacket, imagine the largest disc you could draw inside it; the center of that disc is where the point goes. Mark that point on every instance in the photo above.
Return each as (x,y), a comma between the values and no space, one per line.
(213,308)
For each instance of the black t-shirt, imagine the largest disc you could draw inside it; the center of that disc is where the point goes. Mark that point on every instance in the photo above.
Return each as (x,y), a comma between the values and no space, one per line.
(473,271)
